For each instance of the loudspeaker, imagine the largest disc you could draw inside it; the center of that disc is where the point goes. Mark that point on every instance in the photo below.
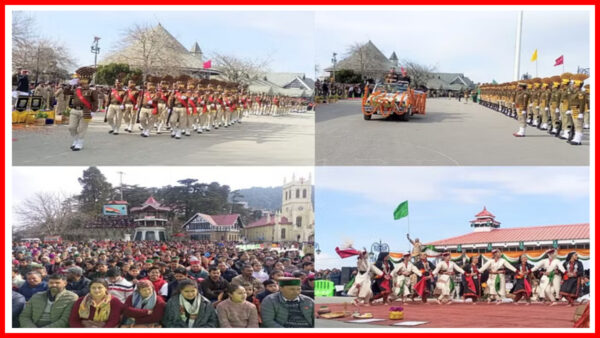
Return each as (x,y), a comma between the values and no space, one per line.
(346,274)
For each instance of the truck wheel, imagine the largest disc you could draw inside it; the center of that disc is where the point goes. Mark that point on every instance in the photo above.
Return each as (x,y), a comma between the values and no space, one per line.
(406,116)
(366,117)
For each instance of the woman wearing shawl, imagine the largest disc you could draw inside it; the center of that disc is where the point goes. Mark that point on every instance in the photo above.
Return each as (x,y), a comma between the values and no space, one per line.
(143,308)
(471,280)
(522,286)
(572,277)
(96,309)
(189,309)
(382,287)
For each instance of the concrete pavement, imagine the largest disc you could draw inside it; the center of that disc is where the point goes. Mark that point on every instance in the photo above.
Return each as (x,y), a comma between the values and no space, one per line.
(262,140)
(451,133)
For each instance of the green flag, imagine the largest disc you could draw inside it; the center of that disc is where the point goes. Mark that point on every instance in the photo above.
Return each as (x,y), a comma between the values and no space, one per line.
(401,210)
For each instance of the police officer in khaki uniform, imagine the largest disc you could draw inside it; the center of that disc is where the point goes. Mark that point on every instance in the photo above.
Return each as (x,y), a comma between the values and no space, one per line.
(544,103)
(149,107)
(178,105)
(565,113)
(131,105)
(586,112)
(521,104)
(577,107)
(114,114)
(163,98)
(555,94)
(84,102)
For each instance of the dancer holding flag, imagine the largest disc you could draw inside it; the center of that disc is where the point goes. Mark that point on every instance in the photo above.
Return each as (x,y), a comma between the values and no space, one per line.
(522,285)
(445,272)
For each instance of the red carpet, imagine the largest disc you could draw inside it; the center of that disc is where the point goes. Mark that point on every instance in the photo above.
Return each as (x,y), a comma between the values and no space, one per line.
(481,315)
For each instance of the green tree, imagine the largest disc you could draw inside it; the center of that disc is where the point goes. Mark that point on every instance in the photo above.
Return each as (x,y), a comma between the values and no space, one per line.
(95,191)
(347,76)
(107,74)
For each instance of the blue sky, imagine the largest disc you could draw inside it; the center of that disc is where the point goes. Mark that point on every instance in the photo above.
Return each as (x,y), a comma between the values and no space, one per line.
(356,203)
(286,38)
(480,44)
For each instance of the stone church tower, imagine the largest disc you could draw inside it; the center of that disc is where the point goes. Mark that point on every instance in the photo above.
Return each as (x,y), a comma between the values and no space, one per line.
(296,206)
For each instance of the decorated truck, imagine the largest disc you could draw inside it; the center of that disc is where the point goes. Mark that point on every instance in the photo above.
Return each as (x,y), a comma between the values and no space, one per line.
(393,98)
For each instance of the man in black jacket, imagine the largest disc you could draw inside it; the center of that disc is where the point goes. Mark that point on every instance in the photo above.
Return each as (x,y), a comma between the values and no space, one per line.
(227,272)
(77,283)
(214,286)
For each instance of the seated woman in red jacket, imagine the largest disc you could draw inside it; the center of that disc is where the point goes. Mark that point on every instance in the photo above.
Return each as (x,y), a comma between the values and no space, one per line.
(96,309)
(143,308)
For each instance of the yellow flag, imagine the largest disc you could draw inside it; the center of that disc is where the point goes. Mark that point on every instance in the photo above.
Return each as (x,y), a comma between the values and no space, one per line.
(534,56)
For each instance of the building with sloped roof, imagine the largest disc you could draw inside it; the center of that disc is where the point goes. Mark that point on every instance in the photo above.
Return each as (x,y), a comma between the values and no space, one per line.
(368,61)
(170,56)
(450,82)
(532,240)
(202,227)
(283,83)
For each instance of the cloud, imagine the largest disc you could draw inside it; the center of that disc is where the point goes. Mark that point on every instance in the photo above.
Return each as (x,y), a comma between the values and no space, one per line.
(388,185)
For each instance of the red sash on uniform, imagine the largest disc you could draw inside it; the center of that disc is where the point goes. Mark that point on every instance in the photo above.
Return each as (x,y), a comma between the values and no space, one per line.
(163,97)
(194,108)
(115,93)
(149,98)
(183,103)
(131,98)
(85,102)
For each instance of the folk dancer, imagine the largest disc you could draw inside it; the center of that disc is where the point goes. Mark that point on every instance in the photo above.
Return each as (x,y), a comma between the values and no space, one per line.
(423,285)
(383,284)
(361,289)
(445,271)
(522,287)
(471,280)
(572,279)
(401,275)
(547,282)
(498,267)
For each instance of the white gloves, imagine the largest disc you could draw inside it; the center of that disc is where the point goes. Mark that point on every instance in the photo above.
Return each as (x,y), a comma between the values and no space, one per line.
(568,112)
(547,109)
(169,110)
(557,110)
(122,107)
(184,97)
(149,101)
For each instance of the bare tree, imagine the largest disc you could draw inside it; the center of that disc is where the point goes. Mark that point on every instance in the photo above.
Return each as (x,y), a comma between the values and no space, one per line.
(238,70)
(419,74)
(49,213)
(46,58)
(151,49)
(361,61)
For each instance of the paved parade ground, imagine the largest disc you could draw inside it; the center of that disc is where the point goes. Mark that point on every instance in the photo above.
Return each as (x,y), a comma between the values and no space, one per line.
(451,133)
(258,140)
(456,315)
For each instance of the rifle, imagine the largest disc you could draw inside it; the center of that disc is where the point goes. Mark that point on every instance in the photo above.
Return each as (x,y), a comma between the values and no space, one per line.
(140,95)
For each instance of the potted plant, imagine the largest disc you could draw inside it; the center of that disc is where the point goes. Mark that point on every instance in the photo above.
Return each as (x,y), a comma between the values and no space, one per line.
(40,119)
(65,116)
(396,313)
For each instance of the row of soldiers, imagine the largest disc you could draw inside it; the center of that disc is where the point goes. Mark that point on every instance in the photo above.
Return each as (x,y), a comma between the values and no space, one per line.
(558,104)
(184,105)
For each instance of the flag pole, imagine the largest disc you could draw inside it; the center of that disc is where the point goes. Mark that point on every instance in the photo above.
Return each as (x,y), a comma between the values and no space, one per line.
(536,73)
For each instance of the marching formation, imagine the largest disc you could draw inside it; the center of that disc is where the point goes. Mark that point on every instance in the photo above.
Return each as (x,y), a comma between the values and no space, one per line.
(182,105)
(550,279)
(558,104)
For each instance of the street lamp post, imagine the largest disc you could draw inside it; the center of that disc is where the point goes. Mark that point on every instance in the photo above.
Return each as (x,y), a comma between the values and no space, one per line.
(334,61)
(317,249)
(95,50)
(378,247)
